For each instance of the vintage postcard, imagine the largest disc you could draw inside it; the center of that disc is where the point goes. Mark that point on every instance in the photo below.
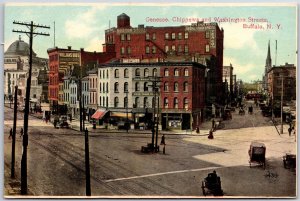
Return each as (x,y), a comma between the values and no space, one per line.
(149,100)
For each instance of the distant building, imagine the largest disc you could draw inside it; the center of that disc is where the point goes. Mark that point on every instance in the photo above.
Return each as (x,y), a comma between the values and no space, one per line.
(282,75)
(268,66)
(16,66)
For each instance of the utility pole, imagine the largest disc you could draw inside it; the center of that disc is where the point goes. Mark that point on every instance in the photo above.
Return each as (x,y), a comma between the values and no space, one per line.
(87,164)
(14,134)
(30,34)
(281,106)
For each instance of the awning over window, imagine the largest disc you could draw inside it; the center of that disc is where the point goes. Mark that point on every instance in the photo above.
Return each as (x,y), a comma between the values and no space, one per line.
(121,114)
(99,114)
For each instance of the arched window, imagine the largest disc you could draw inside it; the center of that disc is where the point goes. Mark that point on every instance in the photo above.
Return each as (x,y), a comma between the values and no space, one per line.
(137,86)
(106,101)
(116,73)
(137,102)
(100,87)
(126,87)
(176,103)
(166,72)
(154,72)
(146,72)
(103,73)
(166,86)
(116,102)
(107,74)
(106,87)
(166,103)
(176,72)
(186,72)
(185,87)
(116,87)
(126,73)
(145,102)
(100,100)
(137,72)
(125,102)
(185,103)
(146,86)
(176,86)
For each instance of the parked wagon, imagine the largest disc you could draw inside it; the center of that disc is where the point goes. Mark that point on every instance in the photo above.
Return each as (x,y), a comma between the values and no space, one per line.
(211,185)
(257,153)
(289,161)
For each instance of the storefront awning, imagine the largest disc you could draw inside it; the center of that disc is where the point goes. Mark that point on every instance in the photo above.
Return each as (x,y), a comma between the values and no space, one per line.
(99,114)
(121,114)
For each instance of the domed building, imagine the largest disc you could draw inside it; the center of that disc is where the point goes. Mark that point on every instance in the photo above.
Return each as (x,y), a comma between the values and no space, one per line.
(16,66)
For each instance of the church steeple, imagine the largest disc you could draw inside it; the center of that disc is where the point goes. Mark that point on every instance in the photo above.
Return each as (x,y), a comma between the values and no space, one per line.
(269,60)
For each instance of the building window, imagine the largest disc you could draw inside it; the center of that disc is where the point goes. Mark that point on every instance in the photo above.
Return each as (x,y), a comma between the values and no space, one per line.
(116,73)
(145,102)
(173,36)
(176,103)
(166,48)
(176,72)
(185,87)
(122,50)
(186,72)
(207,34)
(147,49)
(128,36)
(153,50)
(137,72)
(122,37)
(147,36)
(106,87)
(146,72)
(100,87)
(166,35)
(128,50)
(116,102)
(179,48)
(125,102)
(176,86)
(166,72)
(153,36)
(180,36)
(206,48)
(186,48)
(137,86)
(100,100)
(186,35)
(107,74)
(146,86)
(166,86)
(154,72)
(126,73)
(173,48)
(185,103)
(137,102)
(116,87)
(166,103)
(126,87)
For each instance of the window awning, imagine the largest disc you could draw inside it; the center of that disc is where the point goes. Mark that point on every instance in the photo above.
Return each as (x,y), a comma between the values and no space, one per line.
(99,114)
(121,114)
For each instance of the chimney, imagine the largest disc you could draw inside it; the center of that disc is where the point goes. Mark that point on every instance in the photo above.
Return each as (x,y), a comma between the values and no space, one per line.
(82,49)
(69,47)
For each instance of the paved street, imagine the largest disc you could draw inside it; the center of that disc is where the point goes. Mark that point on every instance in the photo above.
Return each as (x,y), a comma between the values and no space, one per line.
(118,168)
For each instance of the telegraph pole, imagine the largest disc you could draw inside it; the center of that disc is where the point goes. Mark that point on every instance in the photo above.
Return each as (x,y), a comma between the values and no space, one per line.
(14,134)
(87,164)
(30,34)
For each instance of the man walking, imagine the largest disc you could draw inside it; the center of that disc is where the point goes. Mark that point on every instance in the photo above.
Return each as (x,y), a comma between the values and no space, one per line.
(163,142)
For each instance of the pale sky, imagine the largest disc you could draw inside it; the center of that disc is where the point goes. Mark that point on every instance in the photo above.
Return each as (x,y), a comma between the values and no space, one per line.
(83,25)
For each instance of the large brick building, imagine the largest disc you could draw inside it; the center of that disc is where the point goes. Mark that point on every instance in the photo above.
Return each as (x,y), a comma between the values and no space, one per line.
(200,42)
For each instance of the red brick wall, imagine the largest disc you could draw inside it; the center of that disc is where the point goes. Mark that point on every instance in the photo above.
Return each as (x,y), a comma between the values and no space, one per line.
(53,76)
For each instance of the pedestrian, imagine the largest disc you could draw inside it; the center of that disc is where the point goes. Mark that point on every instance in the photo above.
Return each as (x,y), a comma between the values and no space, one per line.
(290,131)
(210,136)
(163,142)
(10,133)
(21,132)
